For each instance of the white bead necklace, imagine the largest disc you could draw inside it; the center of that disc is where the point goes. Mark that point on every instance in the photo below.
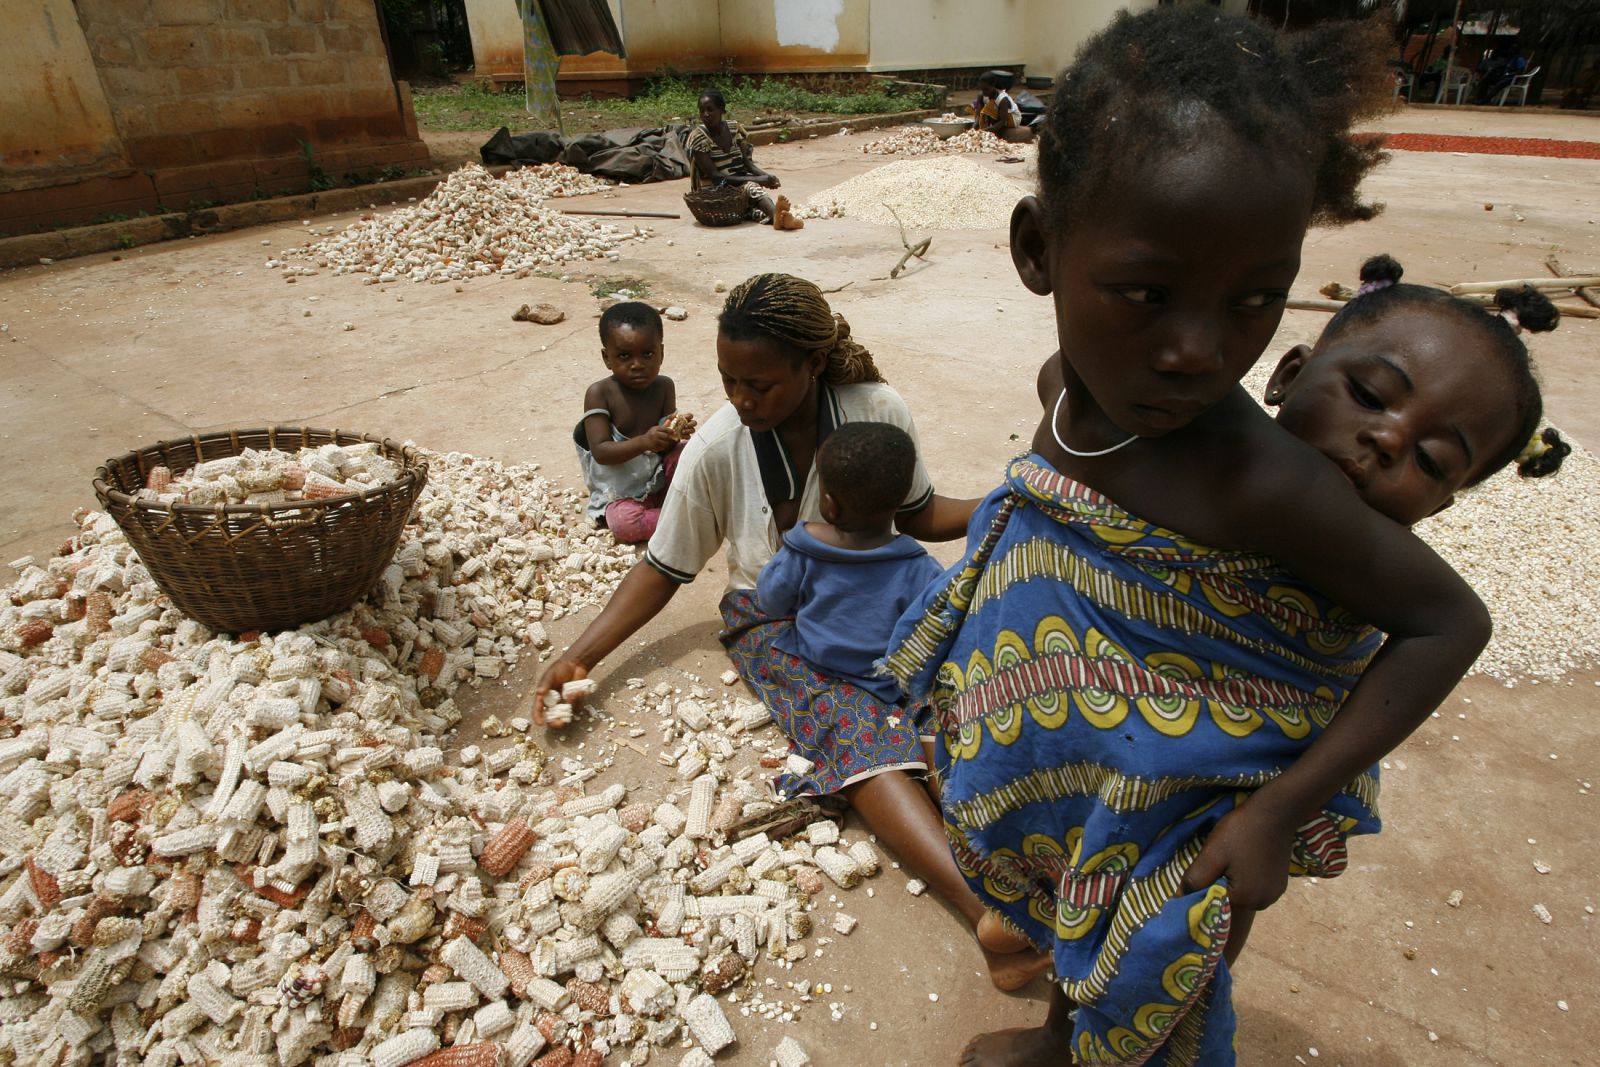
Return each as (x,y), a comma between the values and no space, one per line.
(1055,417)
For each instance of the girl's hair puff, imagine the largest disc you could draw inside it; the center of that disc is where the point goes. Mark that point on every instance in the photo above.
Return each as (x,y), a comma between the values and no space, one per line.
(1147,83)
(793,312)
(1536,455)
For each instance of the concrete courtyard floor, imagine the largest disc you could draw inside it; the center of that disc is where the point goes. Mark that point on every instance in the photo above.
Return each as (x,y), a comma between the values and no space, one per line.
(106,353)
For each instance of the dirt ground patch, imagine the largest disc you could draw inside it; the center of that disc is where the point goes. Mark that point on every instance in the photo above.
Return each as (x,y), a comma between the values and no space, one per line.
(1372,969)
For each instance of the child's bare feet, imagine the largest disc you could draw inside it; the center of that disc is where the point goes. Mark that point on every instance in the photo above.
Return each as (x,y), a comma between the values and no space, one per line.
(996,936)
(782,219)
(1012,970)
(1038,1047)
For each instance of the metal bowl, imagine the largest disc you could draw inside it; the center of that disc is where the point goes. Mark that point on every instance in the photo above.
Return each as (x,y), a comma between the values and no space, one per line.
(947,130)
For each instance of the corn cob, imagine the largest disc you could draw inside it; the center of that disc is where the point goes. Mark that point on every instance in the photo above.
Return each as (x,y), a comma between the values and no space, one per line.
(644,992)
(414,919)
(128,805)
(670,818)
(539,895)
(405,1048)
(822,832)
(808,880)
(518,969)
(424,869)
(605,800)
(865,857)
(790,1054)
(605,895)
(715,875)
(669,920)
(423,1018)
(589,997)
(712,909)
(843,924)
(561,1056)
(124,882)
(525,1043)
(705,1021)
(727,812)
(219,1007)
(506,848)
(601,848)
(588,1057)
(667,956)
(746,936)
(82,933)
(752,716)
(702,792)
(692,763)
(544,921)
(478,1054)
(450,996)
(619,928)
(569,883)
(45,886)
(696,1057)
(547,994)
(468,961)
(633,817)
(492,1018)
(692,715)
(454,858)
(722,972)
(459,925)
(837,866)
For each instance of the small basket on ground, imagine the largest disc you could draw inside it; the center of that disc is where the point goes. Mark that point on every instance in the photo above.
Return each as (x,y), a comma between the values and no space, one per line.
(261,566)
(723,206)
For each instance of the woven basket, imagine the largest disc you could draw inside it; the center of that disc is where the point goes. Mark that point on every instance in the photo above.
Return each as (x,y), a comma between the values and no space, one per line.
(724,206)
(260,566)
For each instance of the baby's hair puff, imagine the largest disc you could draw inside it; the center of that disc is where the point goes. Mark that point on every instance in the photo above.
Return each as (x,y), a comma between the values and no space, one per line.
(1157,81)
(1536,453)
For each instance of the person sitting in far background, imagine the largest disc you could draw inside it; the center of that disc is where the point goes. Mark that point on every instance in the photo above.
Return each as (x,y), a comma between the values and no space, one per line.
(1495,78)
(722,157)
(997,112)
(630,435)
(1428,81)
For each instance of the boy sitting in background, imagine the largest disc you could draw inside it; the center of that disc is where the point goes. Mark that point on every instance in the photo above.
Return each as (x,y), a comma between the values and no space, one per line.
(630,435)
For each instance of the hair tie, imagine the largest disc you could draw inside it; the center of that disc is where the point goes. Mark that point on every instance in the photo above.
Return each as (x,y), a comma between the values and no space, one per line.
(1374,285)
(1537,446)
(1510,315)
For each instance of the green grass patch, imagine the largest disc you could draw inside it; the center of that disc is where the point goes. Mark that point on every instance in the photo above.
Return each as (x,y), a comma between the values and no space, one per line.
(637,288)
(663,100)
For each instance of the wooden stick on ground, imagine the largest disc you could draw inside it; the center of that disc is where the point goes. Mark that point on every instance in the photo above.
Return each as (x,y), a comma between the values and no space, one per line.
(920,249)
(622,214)
(1590,296)
(1518,283)
(1294,304)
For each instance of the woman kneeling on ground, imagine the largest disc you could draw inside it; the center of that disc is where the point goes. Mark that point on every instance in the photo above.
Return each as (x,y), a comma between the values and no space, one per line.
(721,157)
(792,374)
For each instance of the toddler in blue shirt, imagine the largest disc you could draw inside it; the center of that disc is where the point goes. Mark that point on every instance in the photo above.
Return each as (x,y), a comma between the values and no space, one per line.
(847,580)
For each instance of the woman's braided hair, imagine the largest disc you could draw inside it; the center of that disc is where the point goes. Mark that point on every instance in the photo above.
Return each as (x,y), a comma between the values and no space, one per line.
(793,312)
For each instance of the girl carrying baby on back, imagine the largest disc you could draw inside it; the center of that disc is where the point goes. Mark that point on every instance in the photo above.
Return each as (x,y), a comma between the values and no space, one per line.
(1145,731)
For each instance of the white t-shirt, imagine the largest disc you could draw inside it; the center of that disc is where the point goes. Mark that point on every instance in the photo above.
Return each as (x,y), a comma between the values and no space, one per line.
(717,494)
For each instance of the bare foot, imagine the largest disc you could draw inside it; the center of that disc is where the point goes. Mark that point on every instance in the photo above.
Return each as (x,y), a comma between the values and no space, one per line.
(1038,1047)
(996,936)
(1012,970)
(782,219)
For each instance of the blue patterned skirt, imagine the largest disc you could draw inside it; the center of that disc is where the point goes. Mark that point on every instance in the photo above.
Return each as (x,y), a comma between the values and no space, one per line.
(846,732)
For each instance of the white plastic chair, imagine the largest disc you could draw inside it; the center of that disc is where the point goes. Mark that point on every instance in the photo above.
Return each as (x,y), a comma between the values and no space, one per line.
(1518,85)
(1459,82)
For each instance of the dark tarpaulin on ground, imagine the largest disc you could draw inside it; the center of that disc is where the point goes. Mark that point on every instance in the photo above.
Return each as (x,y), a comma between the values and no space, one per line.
(578,27)
(634,156)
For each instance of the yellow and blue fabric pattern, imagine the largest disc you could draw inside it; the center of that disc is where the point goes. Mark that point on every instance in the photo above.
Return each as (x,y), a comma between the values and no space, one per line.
(1106,691)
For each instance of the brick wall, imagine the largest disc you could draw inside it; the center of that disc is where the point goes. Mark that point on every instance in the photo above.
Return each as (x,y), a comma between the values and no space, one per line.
(215,99)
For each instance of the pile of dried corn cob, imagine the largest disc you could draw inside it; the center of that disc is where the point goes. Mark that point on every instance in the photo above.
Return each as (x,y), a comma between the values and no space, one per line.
(472,224)
(253,850)
(921,141)
(274,477)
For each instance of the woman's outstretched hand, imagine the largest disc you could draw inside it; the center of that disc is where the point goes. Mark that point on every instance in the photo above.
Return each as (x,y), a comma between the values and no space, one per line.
(555,676)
